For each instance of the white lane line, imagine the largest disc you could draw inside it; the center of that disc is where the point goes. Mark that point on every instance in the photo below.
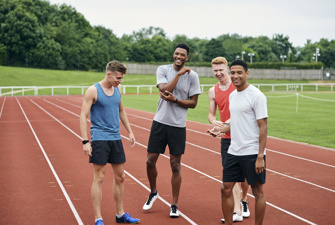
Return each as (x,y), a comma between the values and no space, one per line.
(307,182)
(163,200)
(304,144)
(218,153)
(297,157)
(74,211)
(160,198)
(191,168)
(3,103)
(270,204)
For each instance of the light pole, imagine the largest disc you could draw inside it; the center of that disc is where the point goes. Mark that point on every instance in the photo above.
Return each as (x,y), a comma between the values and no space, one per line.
(243,54)
(237,57)
(251,55)
(316,54)
(283,57)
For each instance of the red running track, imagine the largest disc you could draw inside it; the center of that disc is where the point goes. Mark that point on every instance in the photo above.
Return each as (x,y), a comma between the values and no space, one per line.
(46,178)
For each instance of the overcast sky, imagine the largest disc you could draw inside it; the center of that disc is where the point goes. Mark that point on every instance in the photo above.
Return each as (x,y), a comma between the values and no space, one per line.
(206,19)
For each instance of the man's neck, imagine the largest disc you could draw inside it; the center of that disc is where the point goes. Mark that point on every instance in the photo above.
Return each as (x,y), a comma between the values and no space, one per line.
(242,88)
(224,84)
(177,67)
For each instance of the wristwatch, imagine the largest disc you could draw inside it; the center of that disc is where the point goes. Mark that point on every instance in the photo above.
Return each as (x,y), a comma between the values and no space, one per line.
(85,141)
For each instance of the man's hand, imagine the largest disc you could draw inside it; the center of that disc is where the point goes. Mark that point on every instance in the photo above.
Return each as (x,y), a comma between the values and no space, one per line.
(87,149)
(184,70)
(215,133)
(132,139)
(259,165)
(167,96)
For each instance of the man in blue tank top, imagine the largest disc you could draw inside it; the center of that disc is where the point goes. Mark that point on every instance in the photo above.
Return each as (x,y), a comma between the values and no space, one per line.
(179,89)
(102,101)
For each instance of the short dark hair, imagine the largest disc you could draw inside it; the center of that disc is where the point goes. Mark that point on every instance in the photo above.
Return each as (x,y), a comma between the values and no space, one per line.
(184,46)
(239,62)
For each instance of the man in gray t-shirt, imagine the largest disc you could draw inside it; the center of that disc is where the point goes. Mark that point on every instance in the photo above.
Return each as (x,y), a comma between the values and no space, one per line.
(179,89)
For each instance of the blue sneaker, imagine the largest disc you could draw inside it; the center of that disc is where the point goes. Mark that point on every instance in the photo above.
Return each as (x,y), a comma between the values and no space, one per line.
(126,218)
(99,222)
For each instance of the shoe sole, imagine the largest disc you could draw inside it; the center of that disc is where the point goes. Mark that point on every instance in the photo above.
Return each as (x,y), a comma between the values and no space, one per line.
(174,216)
(246,215)
(223,220)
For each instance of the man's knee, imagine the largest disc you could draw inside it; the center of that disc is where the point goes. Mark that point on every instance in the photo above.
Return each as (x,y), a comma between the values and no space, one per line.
(99,178)
(120,178)
(257,190)
(151,161)
(175,167)
(226,190)
(175,164)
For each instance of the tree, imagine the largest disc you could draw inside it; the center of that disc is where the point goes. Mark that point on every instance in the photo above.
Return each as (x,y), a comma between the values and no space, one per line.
(283,43)
(328,56)
(47,54)
(3,54)
(214,49)
(18,30)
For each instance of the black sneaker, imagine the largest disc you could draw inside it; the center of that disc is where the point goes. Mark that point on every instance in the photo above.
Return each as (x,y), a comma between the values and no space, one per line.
(174,211)
(152,198)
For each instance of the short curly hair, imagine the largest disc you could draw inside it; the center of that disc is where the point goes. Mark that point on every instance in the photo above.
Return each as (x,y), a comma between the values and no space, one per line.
(184,46)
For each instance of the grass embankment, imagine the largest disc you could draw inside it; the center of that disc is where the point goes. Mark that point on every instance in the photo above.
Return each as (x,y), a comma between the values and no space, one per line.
(313,122)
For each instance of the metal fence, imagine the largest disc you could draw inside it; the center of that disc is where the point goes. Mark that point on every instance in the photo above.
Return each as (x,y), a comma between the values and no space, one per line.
(149,89)
(285,73)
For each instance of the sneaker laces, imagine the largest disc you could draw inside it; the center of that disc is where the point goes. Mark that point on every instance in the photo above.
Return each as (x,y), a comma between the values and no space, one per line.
(173,209)
(244,206)
(150,197)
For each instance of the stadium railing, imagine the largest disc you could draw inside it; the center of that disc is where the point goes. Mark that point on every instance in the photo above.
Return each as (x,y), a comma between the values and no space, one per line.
(149,89)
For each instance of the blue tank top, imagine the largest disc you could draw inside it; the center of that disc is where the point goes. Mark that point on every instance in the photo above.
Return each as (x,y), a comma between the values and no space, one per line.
(104,115)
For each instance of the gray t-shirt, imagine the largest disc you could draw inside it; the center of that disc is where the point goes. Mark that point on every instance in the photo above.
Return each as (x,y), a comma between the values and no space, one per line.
(188,85)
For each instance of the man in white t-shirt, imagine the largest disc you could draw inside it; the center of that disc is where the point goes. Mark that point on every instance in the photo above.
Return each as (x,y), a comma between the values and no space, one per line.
(246,153)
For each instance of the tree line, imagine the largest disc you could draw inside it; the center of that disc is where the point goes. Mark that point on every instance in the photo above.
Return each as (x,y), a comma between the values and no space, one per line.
(35,33)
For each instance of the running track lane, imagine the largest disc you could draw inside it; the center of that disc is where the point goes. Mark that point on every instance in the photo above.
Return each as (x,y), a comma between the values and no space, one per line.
(199,199)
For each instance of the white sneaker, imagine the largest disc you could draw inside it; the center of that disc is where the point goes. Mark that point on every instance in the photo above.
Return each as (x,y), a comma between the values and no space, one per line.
(245,209)
(174,211)
(152,198)
(236,218)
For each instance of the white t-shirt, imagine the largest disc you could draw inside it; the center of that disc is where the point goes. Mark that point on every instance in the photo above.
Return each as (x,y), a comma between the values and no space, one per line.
(246,107)
(188,85)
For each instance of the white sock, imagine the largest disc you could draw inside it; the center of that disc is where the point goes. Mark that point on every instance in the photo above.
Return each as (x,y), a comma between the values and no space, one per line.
(119,216)
(98,219)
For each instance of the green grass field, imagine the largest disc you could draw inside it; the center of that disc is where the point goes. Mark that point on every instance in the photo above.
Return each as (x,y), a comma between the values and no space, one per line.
(313,122)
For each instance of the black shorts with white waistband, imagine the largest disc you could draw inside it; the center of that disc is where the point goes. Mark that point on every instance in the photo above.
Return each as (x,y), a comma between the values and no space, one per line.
(162,135)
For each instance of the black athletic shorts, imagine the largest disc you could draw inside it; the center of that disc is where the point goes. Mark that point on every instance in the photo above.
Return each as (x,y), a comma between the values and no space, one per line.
(225,143)
(104,152)
(162,135)
(239,168)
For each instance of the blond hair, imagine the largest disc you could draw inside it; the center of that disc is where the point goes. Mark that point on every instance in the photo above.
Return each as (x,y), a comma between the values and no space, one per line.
(220,60)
